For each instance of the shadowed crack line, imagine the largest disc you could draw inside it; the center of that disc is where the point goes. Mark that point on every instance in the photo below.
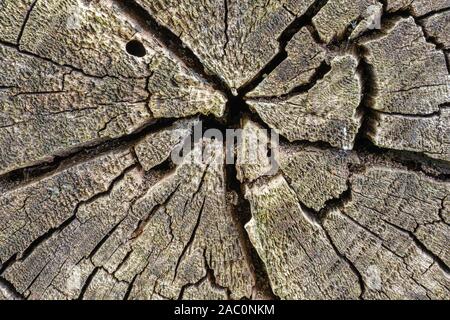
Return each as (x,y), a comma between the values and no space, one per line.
(53,231)
(241,215)
(236,107)
(78,154)
(5,285)
(87,283)
(139,15)
(27,17)
(288,33)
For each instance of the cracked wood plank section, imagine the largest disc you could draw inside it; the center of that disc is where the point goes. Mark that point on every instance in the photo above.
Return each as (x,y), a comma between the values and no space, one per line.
(412,88)
(384,197)
(189,234)
(233,39)
(410,74)
(317,176)
(430,135)
(30,212)
(417,7)
(299,258)
(437,27)
(381,230)
(51,110)
(14,15)
(337,16)
(387,275)
(327,112)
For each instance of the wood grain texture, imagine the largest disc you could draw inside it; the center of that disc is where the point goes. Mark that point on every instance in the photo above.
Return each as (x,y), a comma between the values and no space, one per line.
(115,183)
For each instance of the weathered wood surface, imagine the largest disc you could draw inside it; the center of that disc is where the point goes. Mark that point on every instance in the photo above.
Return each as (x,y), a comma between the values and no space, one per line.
(97,96)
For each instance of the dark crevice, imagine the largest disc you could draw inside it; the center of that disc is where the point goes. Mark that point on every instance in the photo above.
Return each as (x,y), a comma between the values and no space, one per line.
(261,75)
(15,295)
(288,33)
(433,12)
(335,203)
(225,22)
(43,238)
(4,266)
(441,212)
(322,70)
(23,176)
(319,144)
(87,283)
(413,161)
(53,231)
(411,116)
(421,246)
(146,219)
(438,170)
(193,233)
(368,96)
(241,215)
(447,59)
(140,16)
(130,288)
(236,109)
(188,285)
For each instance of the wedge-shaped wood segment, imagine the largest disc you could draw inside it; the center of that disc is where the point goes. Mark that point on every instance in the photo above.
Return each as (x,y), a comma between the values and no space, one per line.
(69,81)
(252,160)
(123,232)
(233,39)
(426,84)
(430,134)
(50,110)
(305,56)
(338,16)
(413,114)
(316,175)
(394,231)
(327,112)
(437,26)
(189,238)
(299,258)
